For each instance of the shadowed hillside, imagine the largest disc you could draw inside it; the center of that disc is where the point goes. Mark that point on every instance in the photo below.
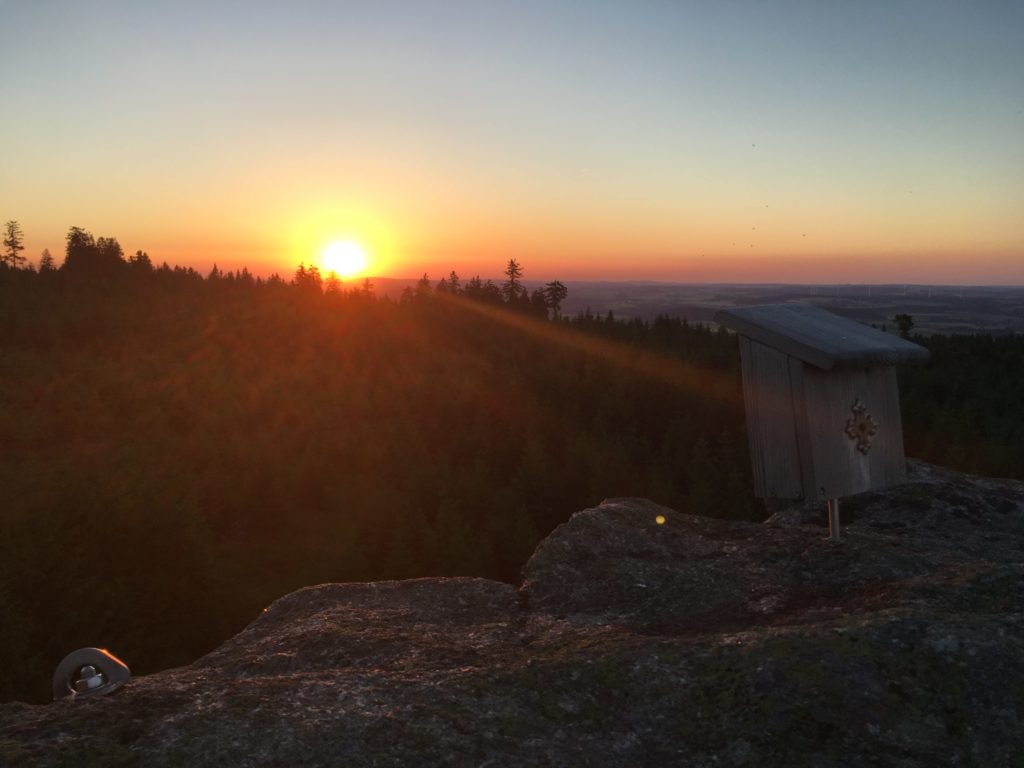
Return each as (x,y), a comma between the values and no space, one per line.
(179,450)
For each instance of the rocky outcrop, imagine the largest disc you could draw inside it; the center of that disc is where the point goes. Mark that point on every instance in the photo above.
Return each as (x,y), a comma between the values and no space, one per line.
(631,642)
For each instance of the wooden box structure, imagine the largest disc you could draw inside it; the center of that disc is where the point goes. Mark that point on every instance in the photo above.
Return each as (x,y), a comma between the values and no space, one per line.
(823,412)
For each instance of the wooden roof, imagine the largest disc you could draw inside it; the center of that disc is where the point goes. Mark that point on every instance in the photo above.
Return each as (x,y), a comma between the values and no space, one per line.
(818,337)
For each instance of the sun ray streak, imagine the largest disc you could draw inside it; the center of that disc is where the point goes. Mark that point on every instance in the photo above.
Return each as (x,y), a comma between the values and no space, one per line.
(715,385)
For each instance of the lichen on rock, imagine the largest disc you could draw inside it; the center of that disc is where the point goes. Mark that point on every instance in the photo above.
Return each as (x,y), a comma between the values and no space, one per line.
(630,642)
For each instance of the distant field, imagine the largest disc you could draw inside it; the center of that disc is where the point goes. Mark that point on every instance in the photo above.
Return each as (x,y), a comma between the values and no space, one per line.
(943,309)
(935,309)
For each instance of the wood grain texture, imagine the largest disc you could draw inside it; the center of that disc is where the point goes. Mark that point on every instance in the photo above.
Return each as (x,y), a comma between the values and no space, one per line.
(838,468)
(771,421)
(805,446)
(804,370)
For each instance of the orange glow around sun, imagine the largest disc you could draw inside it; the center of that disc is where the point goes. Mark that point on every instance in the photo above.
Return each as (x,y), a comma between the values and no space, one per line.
(346,258)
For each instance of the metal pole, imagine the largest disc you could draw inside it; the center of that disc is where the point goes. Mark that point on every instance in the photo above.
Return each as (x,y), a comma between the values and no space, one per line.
(833,519)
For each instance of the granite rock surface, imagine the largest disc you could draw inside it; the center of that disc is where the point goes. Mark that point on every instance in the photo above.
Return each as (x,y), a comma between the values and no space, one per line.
(631,642)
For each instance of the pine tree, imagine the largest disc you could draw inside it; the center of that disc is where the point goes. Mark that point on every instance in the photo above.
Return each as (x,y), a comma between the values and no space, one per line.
(423,287)
(46,263)
(511,288)
(333,285)
(140,262)
(454,284)
(555,293)
(14,243)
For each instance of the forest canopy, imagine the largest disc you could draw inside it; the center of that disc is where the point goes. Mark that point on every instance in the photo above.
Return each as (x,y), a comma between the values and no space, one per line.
(180,449)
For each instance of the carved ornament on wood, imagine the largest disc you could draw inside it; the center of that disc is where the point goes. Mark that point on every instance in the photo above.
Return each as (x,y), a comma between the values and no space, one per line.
(861,426)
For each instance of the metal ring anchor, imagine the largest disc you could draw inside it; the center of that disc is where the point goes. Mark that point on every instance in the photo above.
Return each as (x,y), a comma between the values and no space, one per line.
(89,672)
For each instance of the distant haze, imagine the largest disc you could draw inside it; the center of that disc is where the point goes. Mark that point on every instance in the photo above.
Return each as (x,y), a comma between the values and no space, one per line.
(934,308)
(736,142)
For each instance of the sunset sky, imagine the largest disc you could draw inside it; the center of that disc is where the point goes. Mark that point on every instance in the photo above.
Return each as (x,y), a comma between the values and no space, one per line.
(664,140)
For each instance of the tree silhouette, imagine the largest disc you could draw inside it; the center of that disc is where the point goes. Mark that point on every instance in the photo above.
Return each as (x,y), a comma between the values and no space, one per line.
(140,262)
(80,250)
(13,244)
(46,263)
(332,284)
(905,324)
(555,293)
(86,255)
(109,250)
(454,285)
(308,279)
(423,286)
(512,288)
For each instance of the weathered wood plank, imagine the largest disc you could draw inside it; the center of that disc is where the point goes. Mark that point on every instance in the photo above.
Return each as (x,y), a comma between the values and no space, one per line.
(803,434)
(808,377)
(839,468)
(771,428)
(818,337)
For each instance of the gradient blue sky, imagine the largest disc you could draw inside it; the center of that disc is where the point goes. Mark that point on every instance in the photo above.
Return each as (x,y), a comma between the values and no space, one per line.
(741,141)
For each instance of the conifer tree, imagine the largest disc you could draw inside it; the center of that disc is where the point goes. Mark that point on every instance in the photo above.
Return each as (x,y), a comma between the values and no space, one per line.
(555,293)
(14,243)
(46,263)
(454,285)
(423,286)
(512,287)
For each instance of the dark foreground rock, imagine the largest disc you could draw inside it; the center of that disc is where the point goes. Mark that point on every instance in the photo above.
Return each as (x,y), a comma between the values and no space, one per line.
(631,643)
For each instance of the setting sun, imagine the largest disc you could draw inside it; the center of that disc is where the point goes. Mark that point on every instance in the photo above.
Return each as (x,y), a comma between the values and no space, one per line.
(345,258)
